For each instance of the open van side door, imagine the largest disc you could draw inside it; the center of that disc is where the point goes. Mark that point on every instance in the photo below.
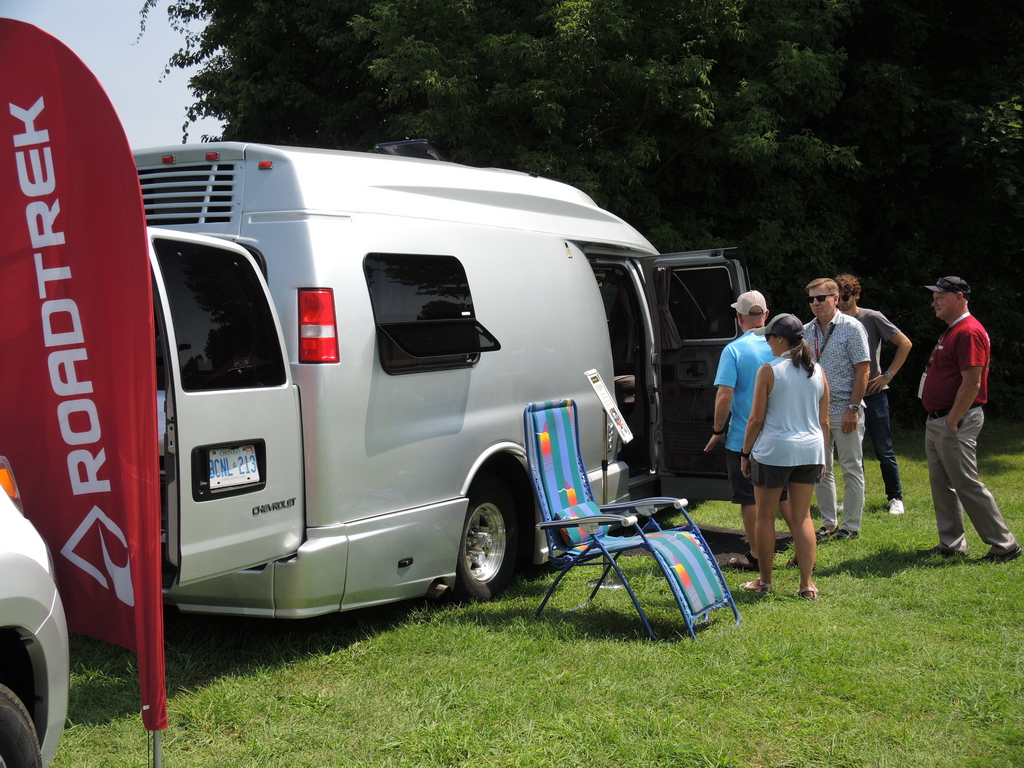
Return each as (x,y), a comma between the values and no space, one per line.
(669,317)
(692,312)
(232,448)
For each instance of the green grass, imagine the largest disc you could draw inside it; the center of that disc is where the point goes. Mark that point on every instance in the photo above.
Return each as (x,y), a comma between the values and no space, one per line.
(903,662)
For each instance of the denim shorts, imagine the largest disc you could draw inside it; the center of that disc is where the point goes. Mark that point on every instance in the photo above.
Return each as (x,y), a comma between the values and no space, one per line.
(770,476)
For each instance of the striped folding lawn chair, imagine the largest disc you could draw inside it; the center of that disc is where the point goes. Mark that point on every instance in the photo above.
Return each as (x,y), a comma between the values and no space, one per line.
(577,529)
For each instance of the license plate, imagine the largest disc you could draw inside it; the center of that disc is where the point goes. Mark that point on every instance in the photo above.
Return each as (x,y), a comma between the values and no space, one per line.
(230,467)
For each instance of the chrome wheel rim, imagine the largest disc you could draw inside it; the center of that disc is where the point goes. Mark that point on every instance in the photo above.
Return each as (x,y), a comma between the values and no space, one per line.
(485,542)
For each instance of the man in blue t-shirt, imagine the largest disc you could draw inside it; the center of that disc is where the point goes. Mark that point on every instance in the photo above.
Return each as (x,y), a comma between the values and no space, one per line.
(737,370)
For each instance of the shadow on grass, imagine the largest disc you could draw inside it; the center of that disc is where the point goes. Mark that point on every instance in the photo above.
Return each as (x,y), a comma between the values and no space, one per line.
(200,649)
(890,561)
(609,617)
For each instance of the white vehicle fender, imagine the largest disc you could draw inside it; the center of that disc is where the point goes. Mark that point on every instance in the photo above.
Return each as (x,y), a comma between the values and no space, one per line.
(503,447)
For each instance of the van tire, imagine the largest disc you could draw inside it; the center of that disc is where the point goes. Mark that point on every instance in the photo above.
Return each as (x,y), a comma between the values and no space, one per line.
(19,747)
(489,542)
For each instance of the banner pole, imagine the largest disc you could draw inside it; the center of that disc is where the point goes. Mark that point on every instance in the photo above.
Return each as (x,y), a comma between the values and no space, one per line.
(157,756)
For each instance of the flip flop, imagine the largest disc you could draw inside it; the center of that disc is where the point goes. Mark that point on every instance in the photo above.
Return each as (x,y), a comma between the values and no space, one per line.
(745,562)
(757,586)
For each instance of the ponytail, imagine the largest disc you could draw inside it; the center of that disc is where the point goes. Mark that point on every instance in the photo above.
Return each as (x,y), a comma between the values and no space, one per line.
(802,357)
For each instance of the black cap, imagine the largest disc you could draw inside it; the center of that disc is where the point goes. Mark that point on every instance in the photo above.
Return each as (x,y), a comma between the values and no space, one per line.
(785,325)
(949,284)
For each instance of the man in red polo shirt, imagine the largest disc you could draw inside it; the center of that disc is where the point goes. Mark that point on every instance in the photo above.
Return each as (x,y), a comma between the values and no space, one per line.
(953,389)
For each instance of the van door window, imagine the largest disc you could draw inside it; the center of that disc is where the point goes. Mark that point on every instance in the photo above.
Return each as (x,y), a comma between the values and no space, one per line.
(423,310)
(700,301)
(223,325)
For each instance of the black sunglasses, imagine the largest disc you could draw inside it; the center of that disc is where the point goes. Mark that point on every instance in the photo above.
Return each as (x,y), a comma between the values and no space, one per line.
(820,299)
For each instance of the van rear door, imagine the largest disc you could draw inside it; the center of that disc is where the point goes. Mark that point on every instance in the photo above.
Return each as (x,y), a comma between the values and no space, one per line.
(232,452)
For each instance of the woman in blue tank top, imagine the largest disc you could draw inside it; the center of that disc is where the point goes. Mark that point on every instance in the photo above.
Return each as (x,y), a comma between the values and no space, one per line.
(784,446)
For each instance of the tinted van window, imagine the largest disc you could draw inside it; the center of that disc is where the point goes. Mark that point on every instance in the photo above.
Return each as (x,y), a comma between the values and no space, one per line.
(700,301)
(424,313)
(223,324)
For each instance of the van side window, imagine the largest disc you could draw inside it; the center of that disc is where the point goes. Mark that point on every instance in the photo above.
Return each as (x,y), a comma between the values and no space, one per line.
(223,323)
(700,301)
(424,313)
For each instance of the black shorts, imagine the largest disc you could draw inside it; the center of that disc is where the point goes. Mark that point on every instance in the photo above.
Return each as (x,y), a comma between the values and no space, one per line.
(742,488)
(770,476)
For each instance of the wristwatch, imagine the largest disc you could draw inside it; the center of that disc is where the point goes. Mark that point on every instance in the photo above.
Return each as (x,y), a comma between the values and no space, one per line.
(854,407)
(888,374)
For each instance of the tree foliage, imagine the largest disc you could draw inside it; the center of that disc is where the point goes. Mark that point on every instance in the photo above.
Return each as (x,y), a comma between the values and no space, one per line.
(823,136)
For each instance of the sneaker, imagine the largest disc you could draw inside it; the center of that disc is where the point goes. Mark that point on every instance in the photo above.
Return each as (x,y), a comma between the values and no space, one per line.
(896,507)
(844,535)
(1004,557)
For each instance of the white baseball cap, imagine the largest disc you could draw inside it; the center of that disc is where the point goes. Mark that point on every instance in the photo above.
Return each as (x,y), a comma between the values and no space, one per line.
(750,303)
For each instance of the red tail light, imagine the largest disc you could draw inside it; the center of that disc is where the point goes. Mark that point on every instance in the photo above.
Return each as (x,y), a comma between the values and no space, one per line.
(318,328)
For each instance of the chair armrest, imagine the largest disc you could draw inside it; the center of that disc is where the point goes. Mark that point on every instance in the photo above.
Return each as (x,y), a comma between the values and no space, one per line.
(590,524)
(646,507)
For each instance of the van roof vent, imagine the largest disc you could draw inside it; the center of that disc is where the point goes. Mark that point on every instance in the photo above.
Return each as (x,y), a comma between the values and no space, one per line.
(189,193)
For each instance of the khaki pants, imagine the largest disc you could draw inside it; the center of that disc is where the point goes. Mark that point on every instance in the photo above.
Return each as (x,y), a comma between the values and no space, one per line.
(956,488)
(850,448)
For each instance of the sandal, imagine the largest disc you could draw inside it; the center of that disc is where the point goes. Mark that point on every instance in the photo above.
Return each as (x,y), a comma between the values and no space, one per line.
(757,586)
(745,562)
(808,593)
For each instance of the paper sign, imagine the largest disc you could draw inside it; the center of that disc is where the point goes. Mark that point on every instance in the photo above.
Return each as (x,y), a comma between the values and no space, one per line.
(609,404)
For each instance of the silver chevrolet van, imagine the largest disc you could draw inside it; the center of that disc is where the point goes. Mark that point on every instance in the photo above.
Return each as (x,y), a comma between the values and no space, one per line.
(346,343)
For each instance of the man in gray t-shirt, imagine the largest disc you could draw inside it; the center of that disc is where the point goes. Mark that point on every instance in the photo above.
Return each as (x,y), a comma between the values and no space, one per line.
(877,417)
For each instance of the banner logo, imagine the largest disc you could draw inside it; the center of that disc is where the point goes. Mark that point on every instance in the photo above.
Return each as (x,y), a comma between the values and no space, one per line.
(120,576)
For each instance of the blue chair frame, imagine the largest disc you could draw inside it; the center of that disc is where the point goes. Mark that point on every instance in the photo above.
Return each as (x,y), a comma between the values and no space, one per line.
(577,528)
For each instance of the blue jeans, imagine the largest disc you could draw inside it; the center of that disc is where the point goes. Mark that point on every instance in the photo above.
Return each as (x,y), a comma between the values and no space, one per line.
(879,424)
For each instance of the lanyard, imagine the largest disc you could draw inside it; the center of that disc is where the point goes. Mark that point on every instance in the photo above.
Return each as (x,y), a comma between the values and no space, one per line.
(818,353)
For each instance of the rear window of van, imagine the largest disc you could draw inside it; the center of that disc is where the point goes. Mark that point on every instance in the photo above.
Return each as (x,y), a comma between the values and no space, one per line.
(224,328)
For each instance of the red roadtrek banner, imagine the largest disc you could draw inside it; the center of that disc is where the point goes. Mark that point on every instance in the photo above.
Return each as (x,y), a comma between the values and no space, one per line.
(77,374)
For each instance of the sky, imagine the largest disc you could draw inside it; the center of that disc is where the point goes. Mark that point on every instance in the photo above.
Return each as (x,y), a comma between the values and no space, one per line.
(103,34)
